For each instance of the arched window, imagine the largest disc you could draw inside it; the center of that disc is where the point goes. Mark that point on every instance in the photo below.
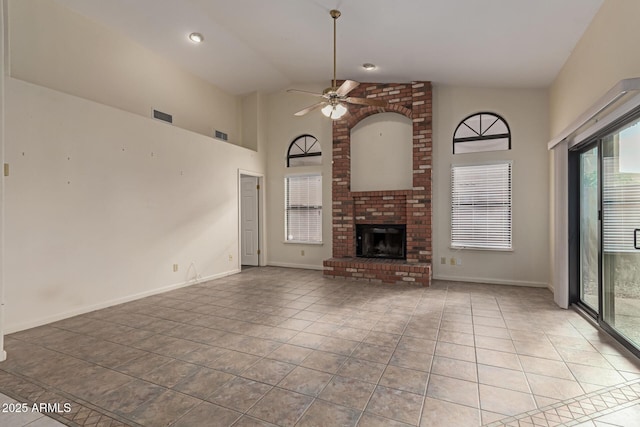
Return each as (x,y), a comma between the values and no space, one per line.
(481,132)
(304,151)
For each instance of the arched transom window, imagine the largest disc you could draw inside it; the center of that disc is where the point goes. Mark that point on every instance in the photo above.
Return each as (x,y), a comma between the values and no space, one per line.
(481,132)
(304,151)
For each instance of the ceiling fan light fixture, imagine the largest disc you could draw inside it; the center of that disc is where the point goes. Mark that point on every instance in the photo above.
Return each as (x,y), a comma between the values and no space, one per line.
(334,112)
(196,37)
(335,96)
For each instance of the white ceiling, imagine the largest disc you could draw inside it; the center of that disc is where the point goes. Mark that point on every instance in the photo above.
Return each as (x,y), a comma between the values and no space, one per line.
(268,45)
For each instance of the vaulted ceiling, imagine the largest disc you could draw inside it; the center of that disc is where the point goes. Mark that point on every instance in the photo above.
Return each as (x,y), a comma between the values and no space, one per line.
(271,44)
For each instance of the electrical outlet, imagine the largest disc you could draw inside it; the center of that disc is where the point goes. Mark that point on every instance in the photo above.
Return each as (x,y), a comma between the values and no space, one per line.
(452,261)
(230,257)
(175,267)
(302,252)
(458,261)
(443,260)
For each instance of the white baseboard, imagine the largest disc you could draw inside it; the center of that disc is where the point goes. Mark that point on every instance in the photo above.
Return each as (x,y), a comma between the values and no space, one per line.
(289,265)
(491,281)
(82,310)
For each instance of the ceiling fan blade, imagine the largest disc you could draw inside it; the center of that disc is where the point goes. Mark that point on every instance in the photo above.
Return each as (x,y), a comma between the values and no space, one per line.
(306,92)
(310,109)
(366,101)
(347,87)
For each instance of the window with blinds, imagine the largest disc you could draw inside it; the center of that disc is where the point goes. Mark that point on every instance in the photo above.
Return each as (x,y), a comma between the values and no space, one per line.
(481,215)
(303,208)
(620,205)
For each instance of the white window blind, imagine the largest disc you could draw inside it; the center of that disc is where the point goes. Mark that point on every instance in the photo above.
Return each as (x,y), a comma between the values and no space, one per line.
(621,206)
(481,206)
(303,208)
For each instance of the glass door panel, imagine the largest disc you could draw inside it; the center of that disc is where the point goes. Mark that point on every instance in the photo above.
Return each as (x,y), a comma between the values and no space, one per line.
(589,228)
(621,231)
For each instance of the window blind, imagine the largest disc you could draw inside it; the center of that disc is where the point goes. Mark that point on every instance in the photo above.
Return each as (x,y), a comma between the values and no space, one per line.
(303,208)
(481,206)
(621,206)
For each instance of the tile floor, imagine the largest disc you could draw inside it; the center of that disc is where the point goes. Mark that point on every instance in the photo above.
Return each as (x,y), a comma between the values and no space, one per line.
(11,417)
(274,346)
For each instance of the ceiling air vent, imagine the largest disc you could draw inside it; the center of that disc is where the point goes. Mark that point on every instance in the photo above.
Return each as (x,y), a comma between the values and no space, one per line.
(221,135)
(162,116)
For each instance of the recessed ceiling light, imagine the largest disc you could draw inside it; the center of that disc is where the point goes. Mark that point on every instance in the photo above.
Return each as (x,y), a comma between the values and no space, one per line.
(196,37)
(368,66)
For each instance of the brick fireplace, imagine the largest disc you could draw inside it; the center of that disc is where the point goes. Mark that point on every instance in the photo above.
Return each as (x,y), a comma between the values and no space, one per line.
(411,207)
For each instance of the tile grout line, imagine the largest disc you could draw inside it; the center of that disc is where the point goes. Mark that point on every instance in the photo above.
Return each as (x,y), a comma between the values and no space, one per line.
(356,306)
(71,397)
(377,384)
(424,397)
(426,389)
(333,375)
(518,355)
(573,375)
(475,353)
(578,399)
(246,412)
(168,388)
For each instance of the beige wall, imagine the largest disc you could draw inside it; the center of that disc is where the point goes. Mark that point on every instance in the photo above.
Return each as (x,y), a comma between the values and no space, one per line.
(526,113)
(382,153)
(193,220)
(102,200)
(3,354)
(98,214)
(283,127)
(606,54)
(250,121)
(54,47)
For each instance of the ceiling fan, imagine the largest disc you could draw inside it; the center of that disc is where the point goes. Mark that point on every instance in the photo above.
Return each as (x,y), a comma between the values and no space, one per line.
(335,97)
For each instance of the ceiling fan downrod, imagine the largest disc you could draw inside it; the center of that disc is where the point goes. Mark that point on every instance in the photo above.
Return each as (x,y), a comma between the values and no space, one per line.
(335,14)
(335,97)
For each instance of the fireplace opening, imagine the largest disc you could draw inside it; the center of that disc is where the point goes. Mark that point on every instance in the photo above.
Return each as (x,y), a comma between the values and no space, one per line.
(381,241)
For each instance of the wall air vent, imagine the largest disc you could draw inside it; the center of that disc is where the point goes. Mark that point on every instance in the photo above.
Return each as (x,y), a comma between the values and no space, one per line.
(221,135)
(162,116)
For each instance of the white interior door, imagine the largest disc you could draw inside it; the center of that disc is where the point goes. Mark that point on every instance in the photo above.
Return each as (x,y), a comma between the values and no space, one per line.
(249,219)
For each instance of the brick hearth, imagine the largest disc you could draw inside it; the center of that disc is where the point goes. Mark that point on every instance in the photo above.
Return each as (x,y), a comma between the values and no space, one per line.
(411,207)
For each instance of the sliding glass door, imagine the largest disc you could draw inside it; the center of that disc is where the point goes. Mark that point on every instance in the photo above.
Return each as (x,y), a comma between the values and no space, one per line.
(606,223)
(589,228)
(621,231)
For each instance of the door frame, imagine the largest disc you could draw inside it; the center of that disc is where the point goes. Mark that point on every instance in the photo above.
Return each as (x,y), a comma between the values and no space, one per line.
(574,225)
(262,256)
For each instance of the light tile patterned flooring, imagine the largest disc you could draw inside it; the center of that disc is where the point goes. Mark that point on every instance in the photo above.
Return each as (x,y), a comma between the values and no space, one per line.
(275,346)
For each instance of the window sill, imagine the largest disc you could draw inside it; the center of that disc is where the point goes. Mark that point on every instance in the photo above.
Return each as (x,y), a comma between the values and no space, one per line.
(298,242)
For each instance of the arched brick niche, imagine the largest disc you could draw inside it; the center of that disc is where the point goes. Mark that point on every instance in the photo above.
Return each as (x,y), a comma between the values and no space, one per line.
(410,207)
